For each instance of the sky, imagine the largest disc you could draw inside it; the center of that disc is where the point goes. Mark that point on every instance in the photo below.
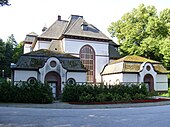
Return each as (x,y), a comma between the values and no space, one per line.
(26,16)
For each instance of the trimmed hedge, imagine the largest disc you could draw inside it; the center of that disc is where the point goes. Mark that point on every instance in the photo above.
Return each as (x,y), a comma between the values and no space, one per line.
(102,93)
(25,93)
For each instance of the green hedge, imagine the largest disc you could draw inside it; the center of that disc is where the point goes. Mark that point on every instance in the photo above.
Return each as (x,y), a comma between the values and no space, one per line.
(101,93)
(25,93)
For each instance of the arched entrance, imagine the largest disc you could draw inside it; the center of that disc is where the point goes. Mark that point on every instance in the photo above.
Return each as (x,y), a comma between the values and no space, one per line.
(54,80)
(150,81)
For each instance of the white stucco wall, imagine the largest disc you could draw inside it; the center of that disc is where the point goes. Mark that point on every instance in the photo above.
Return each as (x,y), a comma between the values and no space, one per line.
(23,75)
(100,63)
(161,82)
(120,77)
(42,45)
(78,76)
(112,78)
(27,48)
(130,78)
(36,46)
(73,47)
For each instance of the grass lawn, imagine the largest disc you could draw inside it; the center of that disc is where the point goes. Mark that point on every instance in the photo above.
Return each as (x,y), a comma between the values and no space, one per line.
(166,94)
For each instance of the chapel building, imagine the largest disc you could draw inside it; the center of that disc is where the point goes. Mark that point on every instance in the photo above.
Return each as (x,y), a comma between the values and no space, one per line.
(75,51)
(78,38)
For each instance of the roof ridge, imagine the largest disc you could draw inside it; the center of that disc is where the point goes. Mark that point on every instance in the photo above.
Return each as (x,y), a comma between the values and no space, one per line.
(51,26)
(32,34)
(47,29)
(65,28)
(126,59)
(73,25)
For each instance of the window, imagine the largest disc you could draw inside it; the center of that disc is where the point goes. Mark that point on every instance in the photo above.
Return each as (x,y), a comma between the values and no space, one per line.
(31,80)
(53,64)
(87,56)
(71,81)
(148,68)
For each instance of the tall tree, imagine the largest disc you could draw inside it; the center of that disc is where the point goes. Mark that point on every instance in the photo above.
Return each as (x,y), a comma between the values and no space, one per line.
(18,51)
(9,47)
(165,15)
(4,2)
(164,50)
(141,31)
(2,56)
(165,43)
(10,52)
(11,40)
(2,49)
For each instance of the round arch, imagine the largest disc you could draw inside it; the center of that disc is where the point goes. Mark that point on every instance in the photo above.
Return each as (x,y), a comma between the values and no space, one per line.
(148,78)
(54,80)
(87,56)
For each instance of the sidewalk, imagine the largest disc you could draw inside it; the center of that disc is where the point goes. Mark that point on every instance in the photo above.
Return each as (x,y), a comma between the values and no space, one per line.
(62,105)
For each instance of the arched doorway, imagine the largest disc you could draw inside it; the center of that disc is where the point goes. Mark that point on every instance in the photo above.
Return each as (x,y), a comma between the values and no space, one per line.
(54,80)
(87,56)
(150,81)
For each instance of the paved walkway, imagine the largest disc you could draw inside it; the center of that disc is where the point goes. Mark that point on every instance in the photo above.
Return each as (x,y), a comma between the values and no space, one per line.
(62,105)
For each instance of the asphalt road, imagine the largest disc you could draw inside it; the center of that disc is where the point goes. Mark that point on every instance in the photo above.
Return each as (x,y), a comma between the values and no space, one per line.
(158,116)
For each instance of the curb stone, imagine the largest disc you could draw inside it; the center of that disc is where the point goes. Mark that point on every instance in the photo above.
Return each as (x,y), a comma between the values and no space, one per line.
(62,105)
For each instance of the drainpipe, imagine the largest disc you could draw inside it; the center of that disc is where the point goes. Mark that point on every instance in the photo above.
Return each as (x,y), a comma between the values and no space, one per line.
(66,77)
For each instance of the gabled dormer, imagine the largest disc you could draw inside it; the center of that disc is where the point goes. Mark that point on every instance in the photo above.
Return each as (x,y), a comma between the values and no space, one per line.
(29,42)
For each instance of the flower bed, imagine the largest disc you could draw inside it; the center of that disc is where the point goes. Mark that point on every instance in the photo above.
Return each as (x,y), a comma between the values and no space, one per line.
(121,102)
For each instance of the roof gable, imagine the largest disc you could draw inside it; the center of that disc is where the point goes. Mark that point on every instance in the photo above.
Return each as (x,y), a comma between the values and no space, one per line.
(77,30)
(48,53)
(135,59)
(73,27)
(131,64)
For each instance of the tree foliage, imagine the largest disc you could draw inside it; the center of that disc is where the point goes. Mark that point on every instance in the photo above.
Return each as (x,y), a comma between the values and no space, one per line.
(18,51)
(10,52)
(4,2)
(143,32)
(2,47)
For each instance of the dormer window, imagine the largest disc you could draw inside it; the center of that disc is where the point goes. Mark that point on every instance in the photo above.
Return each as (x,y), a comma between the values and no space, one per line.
(148,68)
(84,26)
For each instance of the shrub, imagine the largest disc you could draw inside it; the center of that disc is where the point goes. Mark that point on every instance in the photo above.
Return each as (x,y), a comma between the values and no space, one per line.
(86,98)
(109,97)
(25,93)
(117,97)
(101,93)
(126,97)
(71,92)
(139,96)
(101,97)
(6,92)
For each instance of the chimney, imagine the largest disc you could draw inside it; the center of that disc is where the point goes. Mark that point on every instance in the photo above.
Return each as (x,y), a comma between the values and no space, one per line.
(44,29)
(59,17)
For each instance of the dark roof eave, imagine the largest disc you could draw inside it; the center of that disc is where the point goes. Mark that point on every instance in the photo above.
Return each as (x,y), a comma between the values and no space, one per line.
(115,57)
(133,73)
(76,70)
(32,69)
(120,72)
(133,62)
(45,37)
(86,38)
(163,73)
